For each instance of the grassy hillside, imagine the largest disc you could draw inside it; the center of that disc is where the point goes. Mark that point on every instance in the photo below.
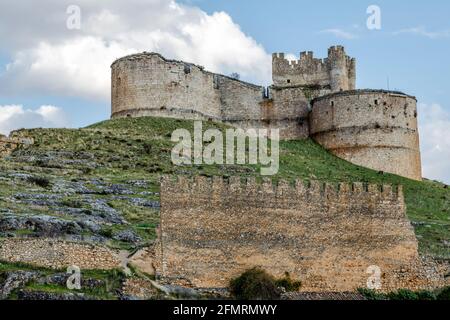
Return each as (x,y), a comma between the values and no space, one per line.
(122,150)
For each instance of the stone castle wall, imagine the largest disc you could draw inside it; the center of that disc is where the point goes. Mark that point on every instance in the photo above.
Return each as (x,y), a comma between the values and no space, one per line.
(149,85)
(213,230)
(374,129)
(337,72)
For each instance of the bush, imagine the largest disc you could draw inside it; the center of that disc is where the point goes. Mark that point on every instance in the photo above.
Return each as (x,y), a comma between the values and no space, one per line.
(106,232)
(426,295)
(403,294)
(254,284)
(40,181)
(86,170)
(444,294)
(370,294)
(288,284)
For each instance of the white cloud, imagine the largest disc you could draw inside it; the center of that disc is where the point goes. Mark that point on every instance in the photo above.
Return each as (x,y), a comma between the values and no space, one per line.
(339,33)
(422,31)
(76,62)
(14,117)
(79,67)
(434,129)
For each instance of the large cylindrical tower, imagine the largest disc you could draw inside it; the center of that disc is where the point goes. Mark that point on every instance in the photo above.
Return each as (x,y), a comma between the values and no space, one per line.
(147,84)
(372,128)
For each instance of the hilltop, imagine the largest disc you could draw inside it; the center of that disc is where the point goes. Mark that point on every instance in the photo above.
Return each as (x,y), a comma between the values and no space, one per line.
(100,184)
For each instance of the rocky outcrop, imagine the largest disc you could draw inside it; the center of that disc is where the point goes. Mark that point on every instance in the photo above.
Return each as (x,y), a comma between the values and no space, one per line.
(13,280)
(42,295)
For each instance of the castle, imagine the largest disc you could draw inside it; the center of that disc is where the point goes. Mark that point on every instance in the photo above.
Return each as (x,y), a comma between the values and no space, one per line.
(309,97)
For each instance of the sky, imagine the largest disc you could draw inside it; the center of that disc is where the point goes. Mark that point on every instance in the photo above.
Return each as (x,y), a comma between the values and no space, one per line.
(55,55)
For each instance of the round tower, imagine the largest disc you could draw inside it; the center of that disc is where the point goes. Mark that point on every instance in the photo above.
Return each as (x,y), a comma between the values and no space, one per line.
(147,84)
(337,60)
(372,128)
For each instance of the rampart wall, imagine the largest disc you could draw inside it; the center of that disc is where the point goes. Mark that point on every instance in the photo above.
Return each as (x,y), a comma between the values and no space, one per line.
(324,235)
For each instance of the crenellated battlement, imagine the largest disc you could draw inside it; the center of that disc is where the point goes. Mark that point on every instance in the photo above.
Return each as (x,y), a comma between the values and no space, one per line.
(337,71)
(336,51)
(268,190)
(302,65)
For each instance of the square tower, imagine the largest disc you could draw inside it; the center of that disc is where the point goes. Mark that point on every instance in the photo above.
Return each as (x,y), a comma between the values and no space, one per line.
(336,72)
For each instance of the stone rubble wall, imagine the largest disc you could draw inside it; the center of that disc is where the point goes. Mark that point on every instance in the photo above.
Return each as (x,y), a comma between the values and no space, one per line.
(58,254)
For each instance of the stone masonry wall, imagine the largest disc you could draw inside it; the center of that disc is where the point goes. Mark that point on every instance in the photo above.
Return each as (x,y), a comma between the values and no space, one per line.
(147,84)
(286,108)
(336,72)
(213,230)
(371,128)
(58,254)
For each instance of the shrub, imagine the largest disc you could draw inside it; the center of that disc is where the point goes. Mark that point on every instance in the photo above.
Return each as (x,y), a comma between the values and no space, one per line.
(71,203)
(426,295)
(444,294)
(254,284)
(147,148)
(288,284)
(86,170)
(403,294)
(370,294)
(106,232)
(40,181)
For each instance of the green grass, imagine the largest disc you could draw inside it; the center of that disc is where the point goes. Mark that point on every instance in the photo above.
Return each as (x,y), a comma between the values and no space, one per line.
(112,281)
(404,294)
(16,266)
(140,148)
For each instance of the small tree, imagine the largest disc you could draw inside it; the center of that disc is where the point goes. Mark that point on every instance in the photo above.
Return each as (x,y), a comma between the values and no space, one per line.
(444,294)
(288,284)
(235,75)
(255,284)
